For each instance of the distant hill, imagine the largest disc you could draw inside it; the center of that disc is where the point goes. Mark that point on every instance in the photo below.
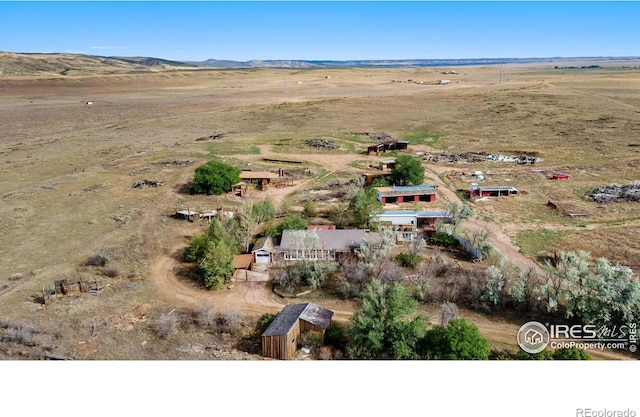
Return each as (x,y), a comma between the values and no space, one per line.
(77,64)
(394,63)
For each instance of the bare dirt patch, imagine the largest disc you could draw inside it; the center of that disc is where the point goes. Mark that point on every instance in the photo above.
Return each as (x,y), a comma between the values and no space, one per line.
(65,181)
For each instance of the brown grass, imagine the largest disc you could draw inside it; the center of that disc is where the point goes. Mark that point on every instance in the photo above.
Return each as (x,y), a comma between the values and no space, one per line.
(66,169)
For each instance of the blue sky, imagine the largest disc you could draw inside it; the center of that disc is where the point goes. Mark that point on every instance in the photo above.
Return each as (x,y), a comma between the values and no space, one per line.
(243,31)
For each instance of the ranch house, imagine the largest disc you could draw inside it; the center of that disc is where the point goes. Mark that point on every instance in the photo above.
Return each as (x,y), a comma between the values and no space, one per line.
(409,224)
(322,245)
(282,337)
(260,178)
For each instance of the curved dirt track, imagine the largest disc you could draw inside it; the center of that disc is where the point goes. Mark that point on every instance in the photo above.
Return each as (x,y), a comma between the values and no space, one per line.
(255,297)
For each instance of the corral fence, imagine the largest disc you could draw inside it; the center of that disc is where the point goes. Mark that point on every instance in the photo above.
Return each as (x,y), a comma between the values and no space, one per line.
(63,287)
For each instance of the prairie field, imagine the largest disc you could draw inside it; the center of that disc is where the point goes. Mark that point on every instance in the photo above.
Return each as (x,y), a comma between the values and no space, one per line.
(67,167)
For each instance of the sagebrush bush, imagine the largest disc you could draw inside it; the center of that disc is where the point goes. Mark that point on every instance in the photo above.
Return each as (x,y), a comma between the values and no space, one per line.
(230,321)
(167,324)
(112,272)
(98,259)
(205,315)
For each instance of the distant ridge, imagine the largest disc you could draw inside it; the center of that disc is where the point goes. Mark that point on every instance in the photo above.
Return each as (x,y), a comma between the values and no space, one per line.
(78,64)
(393,63)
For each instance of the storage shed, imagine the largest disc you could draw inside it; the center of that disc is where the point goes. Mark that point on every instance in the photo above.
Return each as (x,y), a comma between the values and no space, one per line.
(491,190)
(403,194)
(282,337)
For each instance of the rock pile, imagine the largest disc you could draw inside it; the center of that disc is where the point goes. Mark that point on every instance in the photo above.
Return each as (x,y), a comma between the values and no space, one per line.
(146,183)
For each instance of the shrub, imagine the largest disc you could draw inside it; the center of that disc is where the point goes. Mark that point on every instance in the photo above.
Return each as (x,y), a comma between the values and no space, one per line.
(293,223)
(98,259)
(443,239)
(309,209)
(205,315)
(408,260)
(22,334)
(265,321)
(311,339)
(230,321)
(112,272)
(325,353)
(166,326)
(334,336)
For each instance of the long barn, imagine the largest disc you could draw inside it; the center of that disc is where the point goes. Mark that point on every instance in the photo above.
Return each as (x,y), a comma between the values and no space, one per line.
(281,339)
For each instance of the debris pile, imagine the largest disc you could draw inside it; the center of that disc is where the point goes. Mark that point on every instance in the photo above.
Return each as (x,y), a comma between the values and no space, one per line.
(456,158)
(379,137)
(146,183)
(615,193)
(478,157)
(215,136)
(177,162)
(322,143)
(518,159)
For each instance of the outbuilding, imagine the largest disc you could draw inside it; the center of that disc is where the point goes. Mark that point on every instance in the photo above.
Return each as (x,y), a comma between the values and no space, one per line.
(263,250)
(282,337)
(492,190)
(403,194)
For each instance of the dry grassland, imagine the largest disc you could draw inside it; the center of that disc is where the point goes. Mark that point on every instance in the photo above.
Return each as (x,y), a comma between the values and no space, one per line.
(66,169)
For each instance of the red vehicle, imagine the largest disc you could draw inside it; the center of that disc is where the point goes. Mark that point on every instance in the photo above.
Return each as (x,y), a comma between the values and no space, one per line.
(561,176)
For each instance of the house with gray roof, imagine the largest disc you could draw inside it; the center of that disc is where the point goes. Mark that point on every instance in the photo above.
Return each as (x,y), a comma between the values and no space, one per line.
(322,245)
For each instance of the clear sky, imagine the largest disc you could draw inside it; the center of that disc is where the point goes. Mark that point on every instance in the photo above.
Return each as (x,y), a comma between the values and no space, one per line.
(242,30)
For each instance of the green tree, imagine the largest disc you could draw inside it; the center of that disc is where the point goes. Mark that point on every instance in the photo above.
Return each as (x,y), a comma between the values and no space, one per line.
(217,266)
(494,285)
(524,288)
(362,205)
(382,328)
(459,213)
(407,171)
(214,251)
(293,223)
(197,249)
(251,217)
(459,340)
(599,293)
(571,353)
(263,211)
(309,209)
(215,178)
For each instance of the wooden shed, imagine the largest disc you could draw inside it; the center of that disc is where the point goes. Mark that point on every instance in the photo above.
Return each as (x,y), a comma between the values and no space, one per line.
(282,337)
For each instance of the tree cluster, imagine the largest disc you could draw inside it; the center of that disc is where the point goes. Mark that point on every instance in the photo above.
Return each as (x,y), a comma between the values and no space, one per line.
(213,252)
(588,291)
(215,178)
(385,326)
(407,171)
